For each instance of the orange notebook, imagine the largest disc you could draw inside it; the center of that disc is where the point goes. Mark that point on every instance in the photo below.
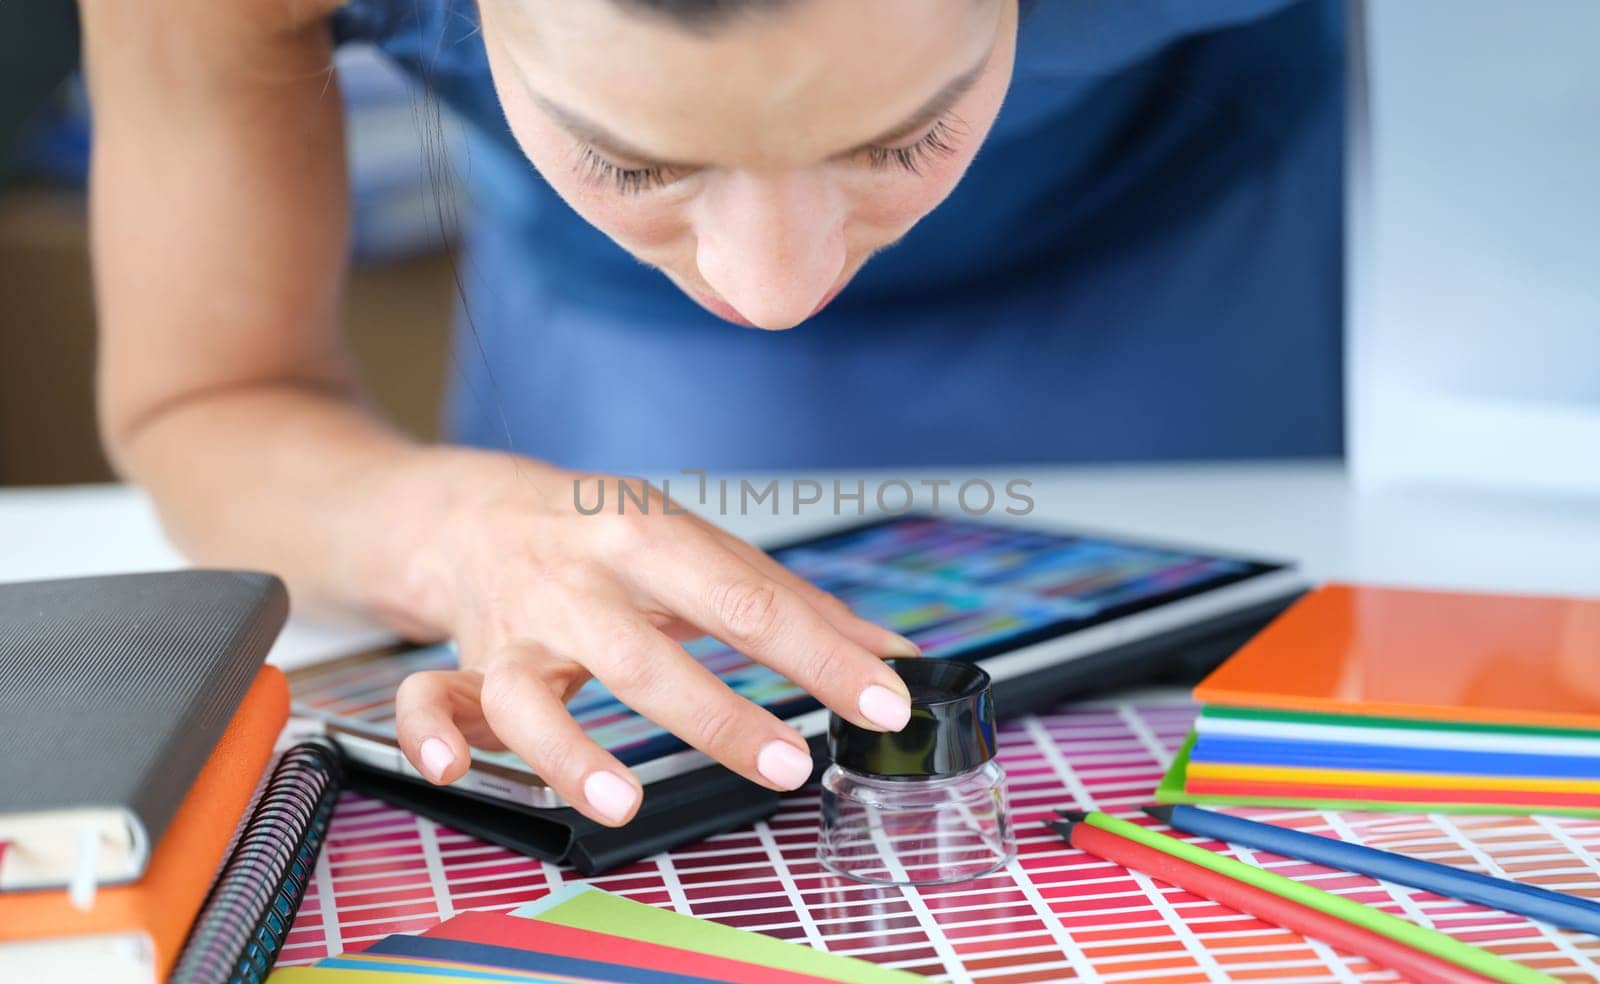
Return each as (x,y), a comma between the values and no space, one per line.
(1390,652)
(134,932)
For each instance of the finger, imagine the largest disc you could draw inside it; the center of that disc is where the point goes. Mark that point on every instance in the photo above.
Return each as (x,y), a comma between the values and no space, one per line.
(656,677)
(456,691)
(478,733)
(530,717)
(425,723)
(771,623)
(868,635)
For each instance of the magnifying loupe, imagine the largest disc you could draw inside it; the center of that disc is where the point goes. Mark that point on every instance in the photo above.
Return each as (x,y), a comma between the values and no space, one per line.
(925,805)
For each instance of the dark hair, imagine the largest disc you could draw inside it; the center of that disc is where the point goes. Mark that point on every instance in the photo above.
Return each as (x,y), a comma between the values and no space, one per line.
(703,14)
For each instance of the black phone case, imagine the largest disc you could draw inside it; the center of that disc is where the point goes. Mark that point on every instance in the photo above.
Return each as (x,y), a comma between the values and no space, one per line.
(675,811)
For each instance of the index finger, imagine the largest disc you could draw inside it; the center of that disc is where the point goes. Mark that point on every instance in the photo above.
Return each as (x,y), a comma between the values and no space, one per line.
(709,585)
(875,638)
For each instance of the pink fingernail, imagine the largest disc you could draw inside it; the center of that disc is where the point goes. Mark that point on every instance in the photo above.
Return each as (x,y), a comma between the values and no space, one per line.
(885,708)
(903,646)
(436,758)
(783,765)
(611,796)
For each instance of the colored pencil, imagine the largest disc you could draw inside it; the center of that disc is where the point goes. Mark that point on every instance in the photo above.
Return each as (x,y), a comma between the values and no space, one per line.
(1566,911)
(1422,938)
(1412,964)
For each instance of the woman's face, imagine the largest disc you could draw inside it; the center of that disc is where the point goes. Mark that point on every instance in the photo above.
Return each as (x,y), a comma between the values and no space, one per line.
(758,160)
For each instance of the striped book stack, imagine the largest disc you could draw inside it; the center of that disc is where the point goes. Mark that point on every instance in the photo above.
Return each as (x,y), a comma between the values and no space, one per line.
(1388,699)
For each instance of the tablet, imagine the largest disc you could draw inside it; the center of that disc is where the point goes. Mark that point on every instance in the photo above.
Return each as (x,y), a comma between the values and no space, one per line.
(1026,604)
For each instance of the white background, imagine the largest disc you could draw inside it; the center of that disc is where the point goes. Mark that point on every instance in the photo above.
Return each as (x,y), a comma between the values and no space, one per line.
(1474,318)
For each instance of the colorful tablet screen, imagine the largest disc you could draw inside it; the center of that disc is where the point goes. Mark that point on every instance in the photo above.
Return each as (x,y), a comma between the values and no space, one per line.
(958,588)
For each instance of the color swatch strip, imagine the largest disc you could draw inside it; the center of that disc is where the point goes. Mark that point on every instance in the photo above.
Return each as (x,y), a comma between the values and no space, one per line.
(1055,914)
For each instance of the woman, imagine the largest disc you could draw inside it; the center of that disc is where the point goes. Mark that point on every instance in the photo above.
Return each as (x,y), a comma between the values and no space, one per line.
(1141,262)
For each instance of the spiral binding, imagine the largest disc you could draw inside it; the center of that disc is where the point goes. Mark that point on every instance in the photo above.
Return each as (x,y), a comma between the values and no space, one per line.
(252,905)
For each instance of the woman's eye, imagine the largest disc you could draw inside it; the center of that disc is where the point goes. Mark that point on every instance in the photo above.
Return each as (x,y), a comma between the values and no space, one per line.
(941,140)
(626,180)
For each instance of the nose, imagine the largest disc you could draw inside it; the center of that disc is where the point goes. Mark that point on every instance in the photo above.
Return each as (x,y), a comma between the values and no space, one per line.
(772,245)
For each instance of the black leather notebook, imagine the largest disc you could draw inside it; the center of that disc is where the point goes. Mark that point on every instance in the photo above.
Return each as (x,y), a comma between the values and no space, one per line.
(113,693)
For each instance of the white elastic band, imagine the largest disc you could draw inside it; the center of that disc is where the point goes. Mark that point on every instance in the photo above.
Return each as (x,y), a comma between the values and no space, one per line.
(80,891)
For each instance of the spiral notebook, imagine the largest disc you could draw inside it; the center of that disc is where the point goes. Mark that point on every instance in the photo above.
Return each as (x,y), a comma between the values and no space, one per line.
(245,919)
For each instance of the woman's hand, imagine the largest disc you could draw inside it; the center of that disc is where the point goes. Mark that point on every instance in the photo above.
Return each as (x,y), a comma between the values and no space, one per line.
(492,551)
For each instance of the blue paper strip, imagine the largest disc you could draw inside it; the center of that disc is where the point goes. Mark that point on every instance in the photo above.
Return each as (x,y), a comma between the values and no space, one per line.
(435,970)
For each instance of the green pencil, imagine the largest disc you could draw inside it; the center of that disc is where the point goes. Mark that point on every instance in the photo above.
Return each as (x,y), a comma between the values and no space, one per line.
(1418,937)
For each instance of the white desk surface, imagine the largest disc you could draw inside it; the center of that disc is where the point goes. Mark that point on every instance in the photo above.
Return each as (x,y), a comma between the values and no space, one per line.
(1302,511)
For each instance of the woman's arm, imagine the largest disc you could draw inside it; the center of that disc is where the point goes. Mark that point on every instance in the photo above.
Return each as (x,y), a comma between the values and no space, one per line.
(219,231)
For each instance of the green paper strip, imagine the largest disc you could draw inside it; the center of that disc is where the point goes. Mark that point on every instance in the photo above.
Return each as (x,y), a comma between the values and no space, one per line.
(583,907)
(1419,937)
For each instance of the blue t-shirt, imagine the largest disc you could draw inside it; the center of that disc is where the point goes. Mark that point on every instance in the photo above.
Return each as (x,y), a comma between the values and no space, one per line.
(1143,262)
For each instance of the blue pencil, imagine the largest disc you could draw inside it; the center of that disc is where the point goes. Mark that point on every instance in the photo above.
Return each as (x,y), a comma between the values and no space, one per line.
(1566,911)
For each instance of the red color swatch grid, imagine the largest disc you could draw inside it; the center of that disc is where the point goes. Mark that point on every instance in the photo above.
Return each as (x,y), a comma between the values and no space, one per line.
(1055,914)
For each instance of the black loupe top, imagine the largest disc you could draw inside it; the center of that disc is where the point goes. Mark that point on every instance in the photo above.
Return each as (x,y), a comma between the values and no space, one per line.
(951,728)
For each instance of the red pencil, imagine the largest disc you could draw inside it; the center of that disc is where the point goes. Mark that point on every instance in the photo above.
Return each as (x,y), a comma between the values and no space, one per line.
(1412,964)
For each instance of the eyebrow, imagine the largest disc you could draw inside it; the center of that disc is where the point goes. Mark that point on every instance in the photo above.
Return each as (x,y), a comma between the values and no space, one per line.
(603,140)
(594,134)
(934,108)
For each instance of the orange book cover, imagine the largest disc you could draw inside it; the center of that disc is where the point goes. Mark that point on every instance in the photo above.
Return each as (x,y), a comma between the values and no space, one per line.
(1446,656)
(165,901)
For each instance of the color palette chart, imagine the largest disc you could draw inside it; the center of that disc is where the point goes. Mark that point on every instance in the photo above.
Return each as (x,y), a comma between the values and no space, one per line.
(1055,914)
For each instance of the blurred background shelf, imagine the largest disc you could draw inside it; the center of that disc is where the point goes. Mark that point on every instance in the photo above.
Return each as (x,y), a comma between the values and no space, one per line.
(398,302)
(397,313)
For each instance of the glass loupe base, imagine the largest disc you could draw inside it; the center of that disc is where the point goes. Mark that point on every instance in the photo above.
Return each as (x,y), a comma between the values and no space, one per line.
(915,831)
